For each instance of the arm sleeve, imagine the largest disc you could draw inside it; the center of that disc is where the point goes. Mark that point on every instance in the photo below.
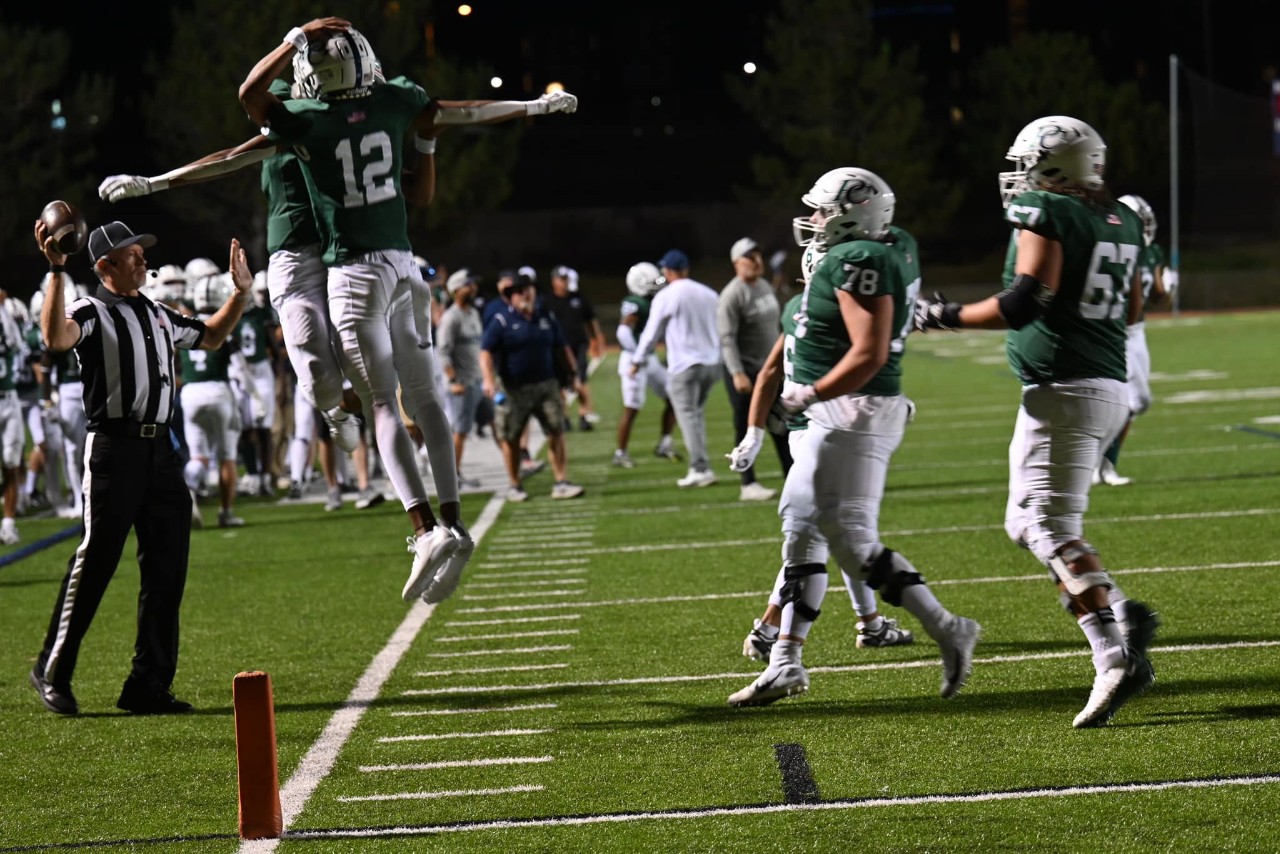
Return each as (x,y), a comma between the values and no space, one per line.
(626,337)
(727,310)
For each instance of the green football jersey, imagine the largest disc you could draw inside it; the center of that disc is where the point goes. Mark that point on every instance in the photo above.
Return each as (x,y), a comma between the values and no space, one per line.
(203,366)
(1150,260)
(66,366)
(20,367)
(255,330)
(639,307)
(10,362)
(1081,334)
(291,224)
(868,268)
(352,156)
(790,318)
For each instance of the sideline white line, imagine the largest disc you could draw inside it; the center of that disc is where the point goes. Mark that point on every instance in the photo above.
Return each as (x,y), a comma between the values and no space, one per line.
(507,564)
(540,572)
(486,597)
(506,620)
(747,594)
(519,668)
(468,793)
(764,809)
(558,545)
(512,585)
(508,636)
(839,668)
(443,736)
(560,647)
(459,763)
(323,753)
(526,707)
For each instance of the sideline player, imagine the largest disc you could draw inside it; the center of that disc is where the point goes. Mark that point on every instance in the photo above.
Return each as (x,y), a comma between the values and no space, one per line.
(850,334)
(1071,262)
(643,281)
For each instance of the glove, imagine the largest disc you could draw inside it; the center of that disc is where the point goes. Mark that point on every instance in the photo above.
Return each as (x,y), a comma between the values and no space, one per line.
(744,456)
(554,102)
(1170,280)
(117,187)
(797,398)
(935,313)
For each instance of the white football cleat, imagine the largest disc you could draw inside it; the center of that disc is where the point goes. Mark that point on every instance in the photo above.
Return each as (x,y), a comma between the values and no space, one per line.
(759,641)
(775,683)
(430,553)
(957,654)
(446,579)
(1097,711)
(1107,474)
(756,492)
(890,634)
(695,478)
(343,428)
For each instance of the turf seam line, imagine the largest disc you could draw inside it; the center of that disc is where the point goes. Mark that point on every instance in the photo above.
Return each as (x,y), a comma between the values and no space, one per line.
(41,544)
(762,809)
(454,793)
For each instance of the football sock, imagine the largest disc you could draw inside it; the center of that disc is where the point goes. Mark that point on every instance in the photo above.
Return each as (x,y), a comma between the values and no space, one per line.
(30,485)
(925,607)
(785,652)
(298,460)
(871,626)
(1103,634)
(862,596)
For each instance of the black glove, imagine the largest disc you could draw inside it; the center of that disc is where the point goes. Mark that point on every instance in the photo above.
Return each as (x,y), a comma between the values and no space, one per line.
(936,313)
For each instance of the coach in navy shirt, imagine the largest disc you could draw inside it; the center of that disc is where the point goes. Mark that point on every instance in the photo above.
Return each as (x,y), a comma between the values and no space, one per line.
(525,347)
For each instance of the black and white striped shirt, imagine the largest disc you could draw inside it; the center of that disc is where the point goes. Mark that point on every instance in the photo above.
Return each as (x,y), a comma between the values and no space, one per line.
(126,351)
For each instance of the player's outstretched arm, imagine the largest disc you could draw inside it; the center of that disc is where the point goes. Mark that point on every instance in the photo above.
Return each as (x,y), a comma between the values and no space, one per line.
(490,112)
(215,165)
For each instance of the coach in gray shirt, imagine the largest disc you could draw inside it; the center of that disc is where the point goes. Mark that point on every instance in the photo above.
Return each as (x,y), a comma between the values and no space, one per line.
(747,319)
(458,345)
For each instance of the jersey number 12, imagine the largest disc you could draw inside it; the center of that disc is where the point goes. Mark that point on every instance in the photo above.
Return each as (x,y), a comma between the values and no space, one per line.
(376,183)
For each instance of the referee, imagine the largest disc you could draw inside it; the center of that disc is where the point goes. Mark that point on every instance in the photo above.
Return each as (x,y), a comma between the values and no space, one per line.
(133,475)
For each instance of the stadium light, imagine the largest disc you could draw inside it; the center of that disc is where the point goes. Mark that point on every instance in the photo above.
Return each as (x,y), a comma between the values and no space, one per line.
(495,82)
(553,86)
(749,67)
(464,10)
(655,101)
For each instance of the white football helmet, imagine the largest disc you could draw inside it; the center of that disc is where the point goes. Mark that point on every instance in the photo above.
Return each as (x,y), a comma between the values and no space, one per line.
(37,298)
(18,311)
(1139,205)
(1054,153)
(259,288)
(198,268)
(212,291)
(170,284)
(644,279)
(343,66)
(853,204)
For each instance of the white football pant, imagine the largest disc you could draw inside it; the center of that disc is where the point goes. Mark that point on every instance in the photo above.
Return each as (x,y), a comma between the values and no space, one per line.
(296,283)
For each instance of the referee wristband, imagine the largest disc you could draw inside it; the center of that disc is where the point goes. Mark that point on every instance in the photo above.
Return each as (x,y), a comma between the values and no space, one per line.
(424,146)
(297,38)
(57,268)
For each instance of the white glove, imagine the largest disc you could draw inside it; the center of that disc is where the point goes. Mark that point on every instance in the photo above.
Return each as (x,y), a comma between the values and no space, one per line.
(744,456)
(554,102)
(797,398)
(1170,280)
(117,187)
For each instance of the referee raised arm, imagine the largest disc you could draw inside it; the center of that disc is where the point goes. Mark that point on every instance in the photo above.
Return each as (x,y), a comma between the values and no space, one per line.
(133,475)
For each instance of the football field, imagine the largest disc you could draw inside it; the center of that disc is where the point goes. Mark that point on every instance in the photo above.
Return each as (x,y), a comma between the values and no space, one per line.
(571,695)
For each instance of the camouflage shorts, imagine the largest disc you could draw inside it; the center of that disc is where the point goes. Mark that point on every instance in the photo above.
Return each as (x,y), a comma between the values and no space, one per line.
(537,400)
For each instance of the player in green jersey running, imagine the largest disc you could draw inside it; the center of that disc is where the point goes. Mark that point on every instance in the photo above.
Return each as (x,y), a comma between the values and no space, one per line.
(1069,279)
(861,279)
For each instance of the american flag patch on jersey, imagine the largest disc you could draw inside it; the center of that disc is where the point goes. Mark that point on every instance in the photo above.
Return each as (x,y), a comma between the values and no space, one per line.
(354,118)
(1112,219)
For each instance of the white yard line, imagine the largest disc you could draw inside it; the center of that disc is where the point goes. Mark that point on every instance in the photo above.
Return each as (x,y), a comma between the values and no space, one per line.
(505,564)
(843,668)
(525,650)
(539,573)
(422,796)
(444,736)
(510,585)
(486,710)
(507,636)
(502,621)
(768,809)
(459,763)
(513,669)
(485,597)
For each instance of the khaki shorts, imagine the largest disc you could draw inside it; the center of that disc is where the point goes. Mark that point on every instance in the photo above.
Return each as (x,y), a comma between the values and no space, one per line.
(537,400)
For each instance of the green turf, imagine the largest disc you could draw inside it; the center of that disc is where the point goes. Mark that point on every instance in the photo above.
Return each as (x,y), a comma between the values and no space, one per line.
(668,584)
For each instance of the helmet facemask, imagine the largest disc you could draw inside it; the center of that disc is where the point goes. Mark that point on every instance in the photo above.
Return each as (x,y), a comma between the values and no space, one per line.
(341,66)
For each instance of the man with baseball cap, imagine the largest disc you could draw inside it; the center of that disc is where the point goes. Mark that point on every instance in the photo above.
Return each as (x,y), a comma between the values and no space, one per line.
(133,476)
(683,314)
(458,347)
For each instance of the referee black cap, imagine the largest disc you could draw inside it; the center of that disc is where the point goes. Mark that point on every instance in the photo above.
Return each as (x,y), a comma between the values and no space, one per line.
(115,235)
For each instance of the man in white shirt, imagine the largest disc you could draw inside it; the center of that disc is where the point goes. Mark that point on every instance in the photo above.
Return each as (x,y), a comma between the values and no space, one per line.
(683,315)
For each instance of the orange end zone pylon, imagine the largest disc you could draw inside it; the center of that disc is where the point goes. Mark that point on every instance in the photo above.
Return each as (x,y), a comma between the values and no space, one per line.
(257,775)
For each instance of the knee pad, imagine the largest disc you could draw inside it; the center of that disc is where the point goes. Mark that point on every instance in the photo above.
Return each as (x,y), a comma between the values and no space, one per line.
(1077,583)
(890,573)
(793,588)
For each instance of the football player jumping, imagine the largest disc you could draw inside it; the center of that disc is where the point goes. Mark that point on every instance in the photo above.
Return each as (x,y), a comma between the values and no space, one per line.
(1072,261)
(861,282)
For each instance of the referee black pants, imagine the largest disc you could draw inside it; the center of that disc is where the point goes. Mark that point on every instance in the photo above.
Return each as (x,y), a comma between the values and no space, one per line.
(129,482)
(741,406)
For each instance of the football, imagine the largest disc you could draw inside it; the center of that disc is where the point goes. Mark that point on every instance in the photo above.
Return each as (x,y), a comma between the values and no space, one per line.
(66,226)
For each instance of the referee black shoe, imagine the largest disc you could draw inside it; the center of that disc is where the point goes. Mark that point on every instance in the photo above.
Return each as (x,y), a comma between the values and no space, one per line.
(150,700)
(60,702)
